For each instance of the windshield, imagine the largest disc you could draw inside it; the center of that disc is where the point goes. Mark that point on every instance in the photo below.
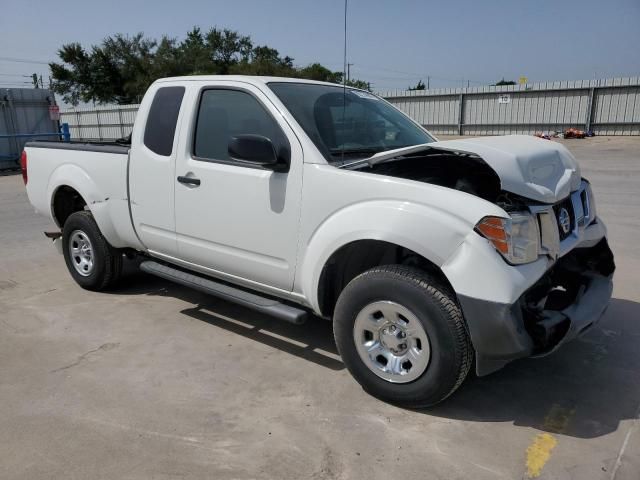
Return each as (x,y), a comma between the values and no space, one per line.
(352,124)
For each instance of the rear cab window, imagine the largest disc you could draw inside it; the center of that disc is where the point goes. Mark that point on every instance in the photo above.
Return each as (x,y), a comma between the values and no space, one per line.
(162,120)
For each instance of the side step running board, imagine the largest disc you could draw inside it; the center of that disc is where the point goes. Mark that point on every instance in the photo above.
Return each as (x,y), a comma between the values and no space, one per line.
(253,301)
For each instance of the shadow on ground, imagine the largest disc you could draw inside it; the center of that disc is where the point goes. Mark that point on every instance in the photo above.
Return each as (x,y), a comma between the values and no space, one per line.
(583,390)
(312,341)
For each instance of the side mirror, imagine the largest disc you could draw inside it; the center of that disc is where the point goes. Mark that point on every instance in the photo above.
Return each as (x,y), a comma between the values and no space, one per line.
(255,150)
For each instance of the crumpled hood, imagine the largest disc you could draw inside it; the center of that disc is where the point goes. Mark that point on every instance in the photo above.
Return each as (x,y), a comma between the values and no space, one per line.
(534,168)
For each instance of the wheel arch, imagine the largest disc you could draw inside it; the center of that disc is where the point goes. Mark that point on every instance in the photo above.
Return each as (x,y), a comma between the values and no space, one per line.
(72,189)
(65,201)
(416,230)
(358,256)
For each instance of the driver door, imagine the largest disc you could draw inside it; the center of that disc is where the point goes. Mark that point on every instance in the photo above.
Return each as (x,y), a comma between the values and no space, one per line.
(236,220)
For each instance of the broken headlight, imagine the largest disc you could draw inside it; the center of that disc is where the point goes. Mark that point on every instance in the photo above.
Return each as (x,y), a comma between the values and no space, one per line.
(517,238)
(588,204)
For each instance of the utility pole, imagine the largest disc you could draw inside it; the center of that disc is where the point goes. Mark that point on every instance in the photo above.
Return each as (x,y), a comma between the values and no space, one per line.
(34,79)
(349,65)
(428,81)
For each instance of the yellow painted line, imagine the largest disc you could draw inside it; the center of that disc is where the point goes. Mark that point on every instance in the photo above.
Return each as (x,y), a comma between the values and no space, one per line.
(538,453)
(558,418)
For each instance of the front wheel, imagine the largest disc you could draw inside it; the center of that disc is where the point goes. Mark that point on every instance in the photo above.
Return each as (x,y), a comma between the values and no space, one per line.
(93,263)
(402,336)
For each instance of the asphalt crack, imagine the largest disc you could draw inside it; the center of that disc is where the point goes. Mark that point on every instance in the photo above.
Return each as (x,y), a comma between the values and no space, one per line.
(104,347)
(623,448)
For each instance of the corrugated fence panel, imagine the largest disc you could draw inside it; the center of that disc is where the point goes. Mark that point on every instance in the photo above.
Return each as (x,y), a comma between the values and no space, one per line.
(100,123)
(617,111)
(614,108)
(440,113)
(608,106)
(485,115)
(23,111)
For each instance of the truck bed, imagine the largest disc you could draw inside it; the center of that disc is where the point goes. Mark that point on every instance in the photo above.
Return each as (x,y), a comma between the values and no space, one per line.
(97,171)
(102,147)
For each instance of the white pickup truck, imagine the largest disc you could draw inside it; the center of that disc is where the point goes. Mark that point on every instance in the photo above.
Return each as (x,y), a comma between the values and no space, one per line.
(294,197)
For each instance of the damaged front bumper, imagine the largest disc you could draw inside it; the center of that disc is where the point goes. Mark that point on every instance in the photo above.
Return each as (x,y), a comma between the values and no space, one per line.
(566,301)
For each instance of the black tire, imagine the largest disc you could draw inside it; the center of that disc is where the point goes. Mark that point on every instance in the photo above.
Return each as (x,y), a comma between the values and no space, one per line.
(436,308)
(107,260)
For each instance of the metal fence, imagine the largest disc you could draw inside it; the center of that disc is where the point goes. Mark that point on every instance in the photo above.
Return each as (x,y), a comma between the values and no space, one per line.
(100,123)
(24,113)
(606,107)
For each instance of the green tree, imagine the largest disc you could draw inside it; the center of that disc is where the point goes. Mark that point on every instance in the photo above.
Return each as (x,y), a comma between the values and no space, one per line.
(167,60)
(228,48)
(121,68)
(315,71)
(130,61)
(504,82)
(74,82)
(264,60)
(194,54)
(116,71)
(361,84)
(420,86)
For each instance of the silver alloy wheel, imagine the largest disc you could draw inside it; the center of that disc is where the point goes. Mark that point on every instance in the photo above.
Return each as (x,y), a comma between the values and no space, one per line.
(391,341)
(81,252)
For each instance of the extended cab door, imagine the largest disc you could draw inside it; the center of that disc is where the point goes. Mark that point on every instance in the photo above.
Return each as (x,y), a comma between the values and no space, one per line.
(151,168)
(235,219)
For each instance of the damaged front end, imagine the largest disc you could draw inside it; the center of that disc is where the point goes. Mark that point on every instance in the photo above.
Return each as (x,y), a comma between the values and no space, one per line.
(561,302)
(569,298)
(566,301)
(537,275)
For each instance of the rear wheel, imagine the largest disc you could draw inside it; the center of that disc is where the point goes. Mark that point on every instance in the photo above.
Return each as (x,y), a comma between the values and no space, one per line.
(402,336)
(92,262)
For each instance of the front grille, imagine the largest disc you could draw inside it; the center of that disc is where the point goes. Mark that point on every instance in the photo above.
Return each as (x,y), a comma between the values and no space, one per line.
(558,211)
(552,233)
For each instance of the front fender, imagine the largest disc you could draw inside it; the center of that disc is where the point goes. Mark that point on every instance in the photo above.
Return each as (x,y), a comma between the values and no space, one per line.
(430,232)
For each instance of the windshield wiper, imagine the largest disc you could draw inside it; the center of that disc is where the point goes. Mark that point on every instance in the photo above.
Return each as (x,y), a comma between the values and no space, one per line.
(337,152)
(386,155)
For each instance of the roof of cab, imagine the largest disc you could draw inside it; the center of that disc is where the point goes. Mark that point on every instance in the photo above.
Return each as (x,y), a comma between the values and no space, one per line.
(253,79)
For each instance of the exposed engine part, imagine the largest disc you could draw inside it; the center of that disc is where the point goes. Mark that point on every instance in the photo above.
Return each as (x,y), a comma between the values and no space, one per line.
(510,202)
(460,171)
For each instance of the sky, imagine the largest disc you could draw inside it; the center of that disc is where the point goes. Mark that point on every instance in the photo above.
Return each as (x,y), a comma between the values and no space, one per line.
(391,44)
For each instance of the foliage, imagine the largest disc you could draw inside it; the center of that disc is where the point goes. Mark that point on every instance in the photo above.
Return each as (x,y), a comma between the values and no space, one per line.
(361,84)
(420,86)
(120,69)
(315,71)
(504,82)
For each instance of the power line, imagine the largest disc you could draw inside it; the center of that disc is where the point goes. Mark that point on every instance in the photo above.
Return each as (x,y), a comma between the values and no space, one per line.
(404,75)
(14,75)
(397,79)
(371,67)
(409,75)
(22,60)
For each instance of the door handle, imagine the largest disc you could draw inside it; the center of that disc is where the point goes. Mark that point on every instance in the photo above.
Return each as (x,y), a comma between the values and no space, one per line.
(189,180)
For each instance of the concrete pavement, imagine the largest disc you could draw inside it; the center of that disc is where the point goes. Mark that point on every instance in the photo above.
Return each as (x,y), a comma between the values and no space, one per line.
(156,381)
